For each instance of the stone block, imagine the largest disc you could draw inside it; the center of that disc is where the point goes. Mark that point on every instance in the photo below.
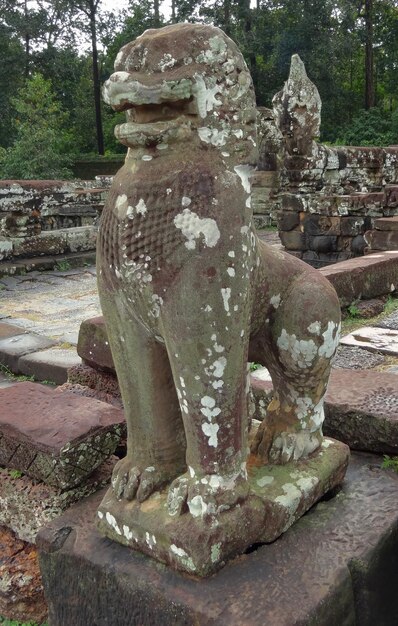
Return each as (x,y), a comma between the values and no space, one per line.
(261,221)
(352,225)
(93,346)
(26,504)
(361,409)
(61,439)
(386,223)
(5,248)
(52,364)
(263,179)
(12,348)
(22,595)
(46,243)
(293,202)
(94,379)
(322,243)
(293,240)
(81,238)
(391,194)
(391,321)
(8,330)
(287,220)
(358,245)
(364,277)
(316,225)
(382,239)
(375,339)
(310,574)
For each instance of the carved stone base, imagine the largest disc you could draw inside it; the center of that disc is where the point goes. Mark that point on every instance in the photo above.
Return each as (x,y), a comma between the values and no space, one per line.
(279,495)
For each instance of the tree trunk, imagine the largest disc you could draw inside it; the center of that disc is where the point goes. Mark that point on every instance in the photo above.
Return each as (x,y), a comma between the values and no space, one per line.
(173,11)
(96,80)
(156,14)
(369,59)
(27,41)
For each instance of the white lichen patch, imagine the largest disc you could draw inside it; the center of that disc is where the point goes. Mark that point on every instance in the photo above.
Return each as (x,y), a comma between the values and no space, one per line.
(141,207)
(205,95)
(231,272)
(197,506)
(215,552)
(315,328)
(183,557)
(166,62)
(275,301)
(217,368)
(211,430)
(244,172)
(128,533)
(302,351)
(112,522)
(265,480)
(331,338)
(185,202)
(226,294)
(213,136)
(192,227)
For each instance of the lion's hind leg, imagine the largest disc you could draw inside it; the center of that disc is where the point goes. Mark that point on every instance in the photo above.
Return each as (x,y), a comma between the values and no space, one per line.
(300,341)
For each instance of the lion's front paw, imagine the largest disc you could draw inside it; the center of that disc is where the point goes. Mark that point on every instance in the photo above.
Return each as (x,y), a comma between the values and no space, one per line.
(209,495)
(130,481)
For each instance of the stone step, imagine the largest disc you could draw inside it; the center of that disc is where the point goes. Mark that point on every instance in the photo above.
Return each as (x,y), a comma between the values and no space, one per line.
(361,408)
(386,223)
(58,438)
(44,263)
(93,346)
(337,565)
(382,239)
(27,504)
(52,364)
(364,277)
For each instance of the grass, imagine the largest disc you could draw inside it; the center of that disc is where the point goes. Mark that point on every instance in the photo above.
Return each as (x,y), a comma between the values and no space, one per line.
(354,320)
(21,378)
(7,372)
(390,463)
(63,265)
(10,622)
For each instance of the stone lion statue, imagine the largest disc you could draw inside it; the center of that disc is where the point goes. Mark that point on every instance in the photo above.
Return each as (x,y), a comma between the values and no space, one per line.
(188,291)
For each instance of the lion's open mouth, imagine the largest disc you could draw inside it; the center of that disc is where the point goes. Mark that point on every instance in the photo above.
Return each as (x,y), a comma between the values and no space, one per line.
(153,124)
(156,112)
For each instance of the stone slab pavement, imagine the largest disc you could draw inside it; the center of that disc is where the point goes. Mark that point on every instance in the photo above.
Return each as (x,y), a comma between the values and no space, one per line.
(52,304)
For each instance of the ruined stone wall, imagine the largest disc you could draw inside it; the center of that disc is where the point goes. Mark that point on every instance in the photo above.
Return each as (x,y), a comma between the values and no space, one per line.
(329,203)
(40,217)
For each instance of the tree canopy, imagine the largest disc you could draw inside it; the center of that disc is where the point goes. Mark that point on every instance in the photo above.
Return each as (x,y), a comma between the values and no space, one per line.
(67,49)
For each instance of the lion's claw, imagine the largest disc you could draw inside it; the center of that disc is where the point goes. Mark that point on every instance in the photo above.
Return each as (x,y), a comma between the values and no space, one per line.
(131,481)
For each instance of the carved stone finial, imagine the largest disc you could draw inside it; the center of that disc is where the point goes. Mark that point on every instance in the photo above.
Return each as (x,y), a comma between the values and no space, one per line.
(297,110)
(189,294)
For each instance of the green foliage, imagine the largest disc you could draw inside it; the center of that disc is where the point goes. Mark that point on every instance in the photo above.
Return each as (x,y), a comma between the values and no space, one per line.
(390,463)
(353,310)
(15,474)
(7,372)
(7,622)
(374,127)
(255,366)
(391,304)
(40,148)
(63,265)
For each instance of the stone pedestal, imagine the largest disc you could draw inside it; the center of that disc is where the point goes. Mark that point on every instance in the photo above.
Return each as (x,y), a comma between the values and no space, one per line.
(337,565)
(279,495)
